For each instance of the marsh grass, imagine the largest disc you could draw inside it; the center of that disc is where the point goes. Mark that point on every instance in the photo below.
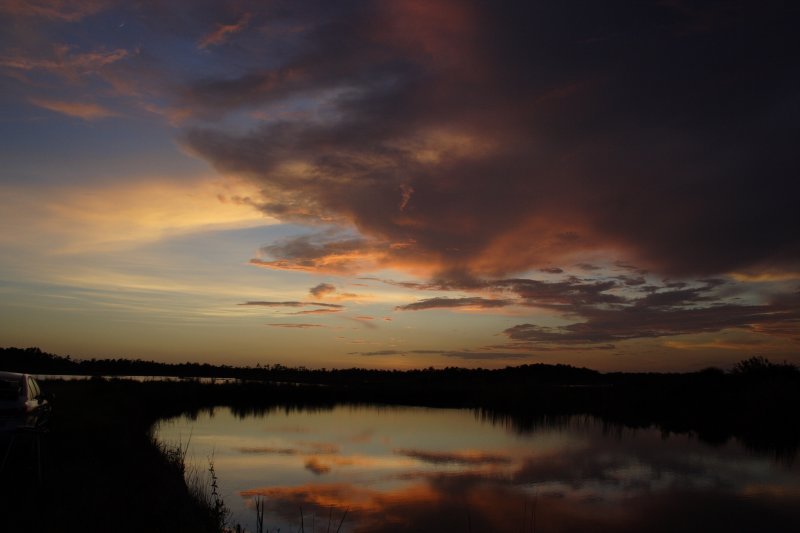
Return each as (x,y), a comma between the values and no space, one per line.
(259,506)
(202,484)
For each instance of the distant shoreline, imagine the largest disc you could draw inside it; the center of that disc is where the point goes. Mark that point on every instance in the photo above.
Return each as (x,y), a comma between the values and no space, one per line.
(755,402)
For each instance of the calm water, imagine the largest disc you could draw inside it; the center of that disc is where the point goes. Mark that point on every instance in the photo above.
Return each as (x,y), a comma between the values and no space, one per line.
(418,469)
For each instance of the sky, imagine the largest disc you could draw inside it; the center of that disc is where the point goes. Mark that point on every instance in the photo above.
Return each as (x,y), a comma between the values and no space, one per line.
(403,183)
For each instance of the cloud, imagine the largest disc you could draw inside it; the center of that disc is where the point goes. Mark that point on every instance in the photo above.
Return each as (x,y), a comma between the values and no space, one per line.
(459,458)
(64,61)
(459,354)
(84,110)
(316,311)
(316,466)
(322,308)
(268,450)
(295,326)
(326,448)
(605,484)
(486,356)
(449,303)
(674,308)
(66,10)
(223,32)
(473,147)
(378,353)
(603,312)
(638,322)
(300,448)
(322,290)
(325,252)
(290,304)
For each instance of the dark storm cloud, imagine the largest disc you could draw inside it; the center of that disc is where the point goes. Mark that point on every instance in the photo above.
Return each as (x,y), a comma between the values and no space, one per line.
(608,325)
(495,138)
(573,292)
(623,308)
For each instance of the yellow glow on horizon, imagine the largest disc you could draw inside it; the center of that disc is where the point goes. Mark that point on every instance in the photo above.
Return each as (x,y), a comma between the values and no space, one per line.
(114,216)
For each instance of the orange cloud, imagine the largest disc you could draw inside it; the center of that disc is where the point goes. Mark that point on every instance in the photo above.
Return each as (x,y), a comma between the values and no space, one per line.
(66,10)
(316,466)
(441,32)
(85,111)
(223,32)
(65,62)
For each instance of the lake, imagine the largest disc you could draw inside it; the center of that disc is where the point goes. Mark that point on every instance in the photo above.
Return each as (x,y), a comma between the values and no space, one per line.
(392,469)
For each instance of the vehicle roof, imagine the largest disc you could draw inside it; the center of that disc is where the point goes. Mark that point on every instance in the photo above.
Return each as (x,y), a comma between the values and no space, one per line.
(11,375)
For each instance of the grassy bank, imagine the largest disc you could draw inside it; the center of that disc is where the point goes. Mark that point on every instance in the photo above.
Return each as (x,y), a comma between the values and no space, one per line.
(101,471)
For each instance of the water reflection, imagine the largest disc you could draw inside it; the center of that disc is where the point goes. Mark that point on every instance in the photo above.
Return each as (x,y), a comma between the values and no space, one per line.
(401,469)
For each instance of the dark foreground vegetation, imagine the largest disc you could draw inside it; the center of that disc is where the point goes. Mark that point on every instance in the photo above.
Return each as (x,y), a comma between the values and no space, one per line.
(103,472)
(100,468)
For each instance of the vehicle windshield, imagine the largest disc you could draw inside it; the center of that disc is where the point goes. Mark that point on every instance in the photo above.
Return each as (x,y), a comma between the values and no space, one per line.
(10,389)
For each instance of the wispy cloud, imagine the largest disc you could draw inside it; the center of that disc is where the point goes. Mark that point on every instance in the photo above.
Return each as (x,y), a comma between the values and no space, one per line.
(84,110)
(223,32)
(290,304)
(379,353)
(295,326)
(485,356)
(65,61)
(476,355)
(66,10)
(316,311)
(72,219)
(450,303)
(462,458)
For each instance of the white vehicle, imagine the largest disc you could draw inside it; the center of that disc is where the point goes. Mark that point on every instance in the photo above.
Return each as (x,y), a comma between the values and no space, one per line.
(22,404)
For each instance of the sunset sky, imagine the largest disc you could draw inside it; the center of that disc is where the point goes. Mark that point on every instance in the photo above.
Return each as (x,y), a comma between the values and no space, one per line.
(402,184)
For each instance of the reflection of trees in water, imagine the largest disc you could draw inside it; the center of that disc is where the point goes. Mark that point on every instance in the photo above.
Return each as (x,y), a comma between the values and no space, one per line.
(757,408)
(781,442)
(756,402)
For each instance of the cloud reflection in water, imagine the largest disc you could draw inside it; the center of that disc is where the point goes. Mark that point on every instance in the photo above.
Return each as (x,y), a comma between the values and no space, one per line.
(446,470)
